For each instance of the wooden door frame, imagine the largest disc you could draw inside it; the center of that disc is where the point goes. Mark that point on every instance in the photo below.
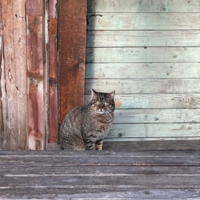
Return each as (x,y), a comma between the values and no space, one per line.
(71,54)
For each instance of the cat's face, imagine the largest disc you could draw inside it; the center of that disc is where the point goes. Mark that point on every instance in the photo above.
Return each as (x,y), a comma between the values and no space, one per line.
(102,103)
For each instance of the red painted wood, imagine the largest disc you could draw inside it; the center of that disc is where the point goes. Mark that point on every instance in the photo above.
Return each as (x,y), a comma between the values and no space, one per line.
(72,47)
(36,115)
(35,69)
(34,7)
(53,103)
(35,46)
(1,108)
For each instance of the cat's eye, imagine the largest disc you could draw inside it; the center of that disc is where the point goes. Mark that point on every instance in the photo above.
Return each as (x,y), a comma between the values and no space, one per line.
(97,103)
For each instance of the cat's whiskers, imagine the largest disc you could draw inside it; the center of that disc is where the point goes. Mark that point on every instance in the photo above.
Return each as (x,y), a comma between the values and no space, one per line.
(108,114)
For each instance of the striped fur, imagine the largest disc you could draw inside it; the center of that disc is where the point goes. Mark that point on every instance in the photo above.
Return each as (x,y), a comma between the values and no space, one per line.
(85,127)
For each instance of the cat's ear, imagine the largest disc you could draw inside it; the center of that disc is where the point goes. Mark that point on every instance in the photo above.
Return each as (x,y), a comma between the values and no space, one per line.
(112,94)
(94,93)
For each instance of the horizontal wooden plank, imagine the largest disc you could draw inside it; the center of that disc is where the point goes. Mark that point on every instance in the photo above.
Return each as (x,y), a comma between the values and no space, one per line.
(133,181)
(155,101)
(143,21)
(101,192)
(180,130)
(156,116)
(151,54)
(104,161)
(149,146)
(117,163)
(143,6)
(143,38)
(86,154)
(143,70)
(95,170)
(144,86)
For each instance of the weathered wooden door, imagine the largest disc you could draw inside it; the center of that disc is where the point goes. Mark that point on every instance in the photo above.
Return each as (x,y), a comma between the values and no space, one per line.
(148,52)
(37,87)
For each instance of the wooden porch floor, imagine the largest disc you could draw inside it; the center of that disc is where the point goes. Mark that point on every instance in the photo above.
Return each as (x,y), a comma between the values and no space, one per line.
(146,171)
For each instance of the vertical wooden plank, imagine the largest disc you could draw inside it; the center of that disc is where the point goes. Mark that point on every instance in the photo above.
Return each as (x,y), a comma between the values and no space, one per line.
(9,94)
(14,75)
(53,104)
(20,70)
(1,111)
(72,45)
(35,68)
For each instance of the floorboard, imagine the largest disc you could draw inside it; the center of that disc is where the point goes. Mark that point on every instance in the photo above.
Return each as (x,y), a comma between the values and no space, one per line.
(144,172)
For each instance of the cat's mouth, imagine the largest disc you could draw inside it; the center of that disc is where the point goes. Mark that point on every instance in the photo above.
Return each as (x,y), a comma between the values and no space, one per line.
(101,111)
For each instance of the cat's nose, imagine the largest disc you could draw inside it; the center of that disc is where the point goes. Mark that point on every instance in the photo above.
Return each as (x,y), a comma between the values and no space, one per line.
(101,110)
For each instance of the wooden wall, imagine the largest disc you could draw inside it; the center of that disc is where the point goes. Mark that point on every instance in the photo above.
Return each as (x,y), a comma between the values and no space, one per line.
(28,31)
(148,52)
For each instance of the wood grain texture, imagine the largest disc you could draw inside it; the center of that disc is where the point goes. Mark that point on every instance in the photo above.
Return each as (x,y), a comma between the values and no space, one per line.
(149,146)
(139,86)
(156,116)
(34,7)
(112,192)
(35,68)
(143,70)
(144,21)
(139,131)
(72,42)
(14,78)
(147,51)
(10,115)
(102,6)
(1,67)
(138,54)
(113,181)
(53,79)
(143,38)
(156,101)
(90,174)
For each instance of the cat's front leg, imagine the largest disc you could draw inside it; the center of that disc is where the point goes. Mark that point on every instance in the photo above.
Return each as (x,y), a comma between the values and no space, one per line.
(89,143)
(99,145)
(90,146)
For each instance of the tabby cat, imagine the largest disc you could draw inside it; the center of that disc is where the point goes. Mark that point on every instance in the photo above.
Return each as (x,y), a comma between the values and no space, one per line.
(84,127)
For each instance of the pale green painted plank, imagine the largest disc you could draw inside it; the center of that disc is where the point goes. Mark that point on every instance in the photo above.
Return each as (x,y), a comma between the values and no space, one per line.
(155,101)
(134,116)
(143,6)
(152,54)
(154,130)
(149,139)
(144,21)
(143,70)
(144,86)
(142,38)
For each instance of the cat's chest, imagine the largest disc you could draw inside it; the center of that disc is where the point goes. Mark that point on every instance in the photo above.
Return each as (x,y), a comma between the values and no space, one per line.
(97,123)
